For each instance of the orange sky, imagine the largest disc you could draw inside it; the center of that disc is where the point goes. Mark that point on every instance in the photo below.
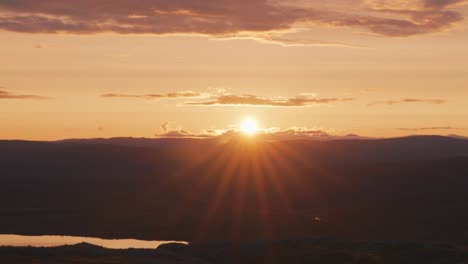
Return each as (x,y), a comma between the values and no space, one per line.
(367,67)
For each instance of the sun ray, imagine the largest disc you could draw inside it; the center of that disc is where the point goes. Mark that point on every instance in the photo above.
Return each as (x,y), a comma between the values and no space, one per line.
(226,175)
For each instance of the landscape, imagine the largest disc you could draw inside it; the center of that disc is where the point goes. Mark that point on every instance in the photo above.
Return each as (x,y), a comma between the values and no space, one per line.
(242,192)
(261,131)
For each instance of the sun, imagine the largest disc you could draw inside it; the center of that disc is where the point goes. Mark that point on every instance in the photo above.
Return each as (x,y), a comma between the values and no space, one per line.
(249,126)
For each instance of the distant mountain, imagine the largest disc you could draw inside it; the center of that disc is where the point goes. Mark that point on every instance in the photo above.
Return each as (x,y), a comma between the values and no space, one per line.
(84,253)
(348,149)
(129,141)
(458,137)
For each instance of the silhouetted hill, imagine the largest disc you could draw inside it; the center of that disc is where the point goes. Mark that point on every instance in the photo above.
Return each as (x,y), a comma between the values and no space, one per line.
(307,250)
(235,189)
(86,253)
(132,142)
(348,150)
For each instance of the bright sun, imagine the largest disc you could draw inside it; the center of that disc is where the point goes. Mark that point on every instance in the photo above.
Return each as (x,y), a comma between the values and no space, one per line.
(249,126)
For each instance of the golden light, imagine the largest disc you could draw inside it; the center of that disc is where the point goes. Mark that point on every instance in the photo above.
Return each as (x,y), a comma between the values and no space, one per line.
(249,126)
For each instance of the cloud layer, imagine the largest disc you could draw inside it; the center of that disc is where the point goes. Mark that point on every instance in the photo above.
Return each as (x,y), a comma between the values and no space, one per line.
(206,99)
(225,17)
(429,128)
(408,101)
(270,134)
(173,95)
(7,95)
(253,100)
(167,132)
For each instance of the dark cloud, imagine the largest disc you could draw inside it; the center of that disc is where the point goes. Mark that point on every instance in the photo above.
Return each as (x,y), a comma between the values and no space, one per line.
(174,95)
(429,128)
(165,127)
(441,3)
(214,17)
(253,100)
(408,100)
(7,95)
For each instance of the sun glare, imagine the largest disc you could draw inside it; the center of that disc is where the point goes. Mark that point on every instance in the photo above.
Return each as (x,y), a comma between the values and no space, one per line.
(249,126)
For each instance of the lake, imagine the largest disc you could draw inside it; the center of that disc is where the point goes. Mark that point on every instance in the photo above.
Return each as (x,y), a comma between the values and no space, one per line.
(52,241)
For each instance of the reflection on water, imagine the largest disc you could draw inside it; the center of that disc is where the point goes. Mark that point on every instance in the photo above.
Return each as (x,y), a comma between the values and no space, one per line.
(52,241)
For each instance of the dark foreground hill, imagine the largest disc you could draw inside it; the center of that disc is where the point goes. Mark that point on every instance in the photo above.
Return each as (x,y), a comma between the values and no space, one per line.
(312,250)
(237,189)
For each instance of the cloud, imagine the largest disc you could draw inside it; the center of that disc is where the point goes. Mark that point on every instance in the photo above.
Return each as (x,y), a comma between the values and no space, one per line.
(412,5)
(165,127)
(7,95)
(167,132)
(224,99)
(297,133)
(269,134)
(253,100)
(181,133)
(284,40)
(225,17)
(176,134)
(408,100)
(441,3)
(429,128)
(173,95)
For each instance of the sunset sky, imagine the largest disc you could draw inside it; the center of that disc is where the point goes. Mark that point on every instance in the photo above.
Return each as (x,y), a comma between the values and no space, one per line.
(148,68)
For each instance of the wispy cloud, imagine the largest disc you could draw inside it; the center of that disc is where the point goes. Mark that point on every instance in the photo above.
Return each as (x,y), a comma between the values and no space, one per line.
(8,95)
(282,39)
(226,17)
(173,95)
(429,128)
(253,100)
(408,100)
(226,99)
